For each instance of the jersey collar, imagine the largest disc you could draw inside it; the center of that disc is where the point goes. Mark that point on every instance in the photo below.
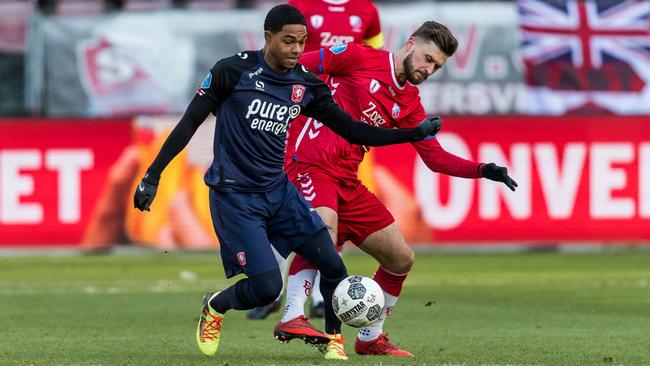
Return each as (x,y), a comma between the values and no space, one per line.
(392,72)
(260,55)
(336,2)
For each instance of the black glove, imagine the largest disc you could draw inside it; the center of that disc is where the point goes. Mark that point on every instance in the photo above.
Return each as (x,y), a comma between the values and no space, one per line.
(146,191)
(428,127)
(497,173)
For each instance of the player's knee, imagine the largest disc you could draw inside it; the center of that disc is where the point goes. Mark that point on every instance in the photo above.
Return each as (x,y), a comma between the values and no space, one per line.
(408,261)
(333,233)
(271,293)
(266,286)
(401,263)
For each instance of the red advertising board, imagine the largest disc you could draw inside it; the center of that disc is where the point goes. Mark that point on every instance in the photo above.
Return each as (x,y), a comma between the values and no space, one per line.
(51,173)
(580,179)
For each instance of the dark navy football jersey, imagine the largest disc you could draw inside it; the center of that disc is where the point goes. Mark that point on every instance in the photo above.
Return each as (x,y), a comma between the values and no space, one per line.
(254,106)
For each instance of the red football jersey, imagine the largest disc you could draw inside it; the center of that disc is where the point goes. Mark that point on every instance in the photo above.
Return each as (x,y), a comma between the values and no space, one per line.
(364,84)
(330,22)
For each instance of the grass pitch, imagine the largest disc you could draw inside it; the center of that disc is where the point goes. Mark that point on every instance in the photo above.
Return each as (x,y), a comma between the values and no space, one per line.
(456,309)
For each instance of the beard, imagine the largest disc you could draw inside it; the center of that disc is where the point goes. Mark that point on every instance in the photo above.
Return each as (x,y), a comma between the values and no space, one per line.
(409,70)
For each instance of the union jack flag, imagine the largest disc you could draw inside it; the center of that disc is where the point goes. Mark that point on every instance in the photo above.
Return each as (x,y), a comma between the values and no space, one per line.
(586,55)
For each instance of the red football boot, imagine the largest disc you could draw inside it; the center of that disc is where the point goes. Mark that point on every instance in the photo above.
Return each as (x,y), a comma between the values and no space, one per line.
(380,346)
(299,328)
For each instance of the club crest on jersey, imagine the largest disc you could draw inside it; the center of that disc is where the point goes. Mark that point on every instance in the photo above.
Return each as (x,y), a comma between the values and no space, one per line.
(316,21)
(356,23)
(297,93)
(395,111)
(374,86)
(241,258)
(339,48)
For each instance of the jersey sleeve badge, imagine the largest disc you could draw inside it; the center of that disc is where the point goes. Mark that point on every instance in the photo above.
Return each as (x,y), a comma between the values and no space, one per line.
(205,84)
(339,48)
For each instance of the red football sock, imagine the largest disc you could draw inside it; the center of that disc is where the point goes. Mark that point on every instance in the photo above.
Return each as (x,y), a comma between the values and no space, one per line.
(298,264)
(390,282)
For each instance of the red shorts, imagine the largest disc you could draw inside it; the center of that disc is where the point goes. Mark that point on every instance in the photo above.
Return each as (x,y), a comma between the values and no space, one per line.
(360,212)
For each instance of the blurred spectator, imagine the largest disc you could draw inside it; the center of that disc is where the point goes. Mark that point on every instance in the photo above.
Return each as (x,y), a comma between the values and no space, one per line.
(145,5)
(79,7)
(13,24)
(14,16)
(209,5)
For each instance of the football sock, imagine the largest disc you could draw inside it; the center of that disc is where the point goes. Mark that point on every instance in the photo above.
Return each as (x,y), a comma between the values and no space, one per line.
(319,251)
(391,284)
(299,286)
(283,264)
(257,290)
(316,296)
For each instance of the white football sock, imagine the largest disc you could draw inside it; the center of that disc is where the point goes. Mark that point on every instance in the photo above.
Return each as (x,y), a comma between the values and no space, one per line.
(316,296)
(373,331)
(299,286)
(283,264)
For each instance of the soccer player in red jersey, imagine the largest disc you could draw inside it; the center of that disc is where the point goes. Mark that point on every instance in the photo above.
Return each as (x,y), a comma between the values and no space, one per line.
(377,87)
(331,22)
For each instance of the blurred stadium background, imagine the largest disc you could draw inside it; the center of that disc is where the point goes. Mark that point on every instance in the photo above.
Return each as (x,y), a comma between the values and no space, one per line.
(556,90)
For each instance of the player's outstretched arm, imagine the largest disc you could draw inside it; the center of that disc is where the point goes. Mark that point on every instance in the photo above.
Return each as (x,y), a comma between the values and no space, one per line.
(196,113)
(359,133)
(439,160)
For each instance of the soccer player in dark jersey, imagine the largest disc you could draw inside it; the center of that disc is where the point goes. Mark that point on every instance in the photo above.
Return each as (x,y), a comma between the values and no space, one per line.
(255,95)
(377,87)
(329,22)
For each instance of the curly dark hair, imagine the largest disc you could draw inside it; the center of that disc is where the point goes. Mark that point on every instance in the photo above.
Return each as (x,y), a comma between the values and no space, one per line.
(281,15)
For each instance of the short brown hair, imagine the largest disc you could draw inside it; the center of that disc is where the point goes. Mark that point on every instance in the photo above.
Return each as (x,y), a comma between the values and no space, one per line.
(438,34)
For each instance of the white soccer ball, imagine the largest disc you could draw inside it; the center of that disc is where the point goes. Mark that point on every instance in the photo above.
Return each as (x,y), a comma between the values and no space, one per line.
(358,301)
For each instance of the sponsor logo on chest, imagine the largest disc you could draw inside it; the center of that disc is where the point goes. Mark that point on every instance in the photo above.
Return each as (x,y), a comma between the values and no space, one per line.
(270,117)
(328,39)
(372,115)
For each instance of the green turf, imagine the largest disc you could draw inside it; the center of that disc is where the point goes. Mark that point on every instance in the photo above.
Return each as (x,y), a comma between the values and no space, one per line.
(499,309)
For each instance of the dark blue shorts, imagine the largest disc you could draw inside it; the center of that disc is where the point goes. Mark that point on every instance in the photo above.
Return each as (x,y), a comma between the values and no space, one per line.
(247,224)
